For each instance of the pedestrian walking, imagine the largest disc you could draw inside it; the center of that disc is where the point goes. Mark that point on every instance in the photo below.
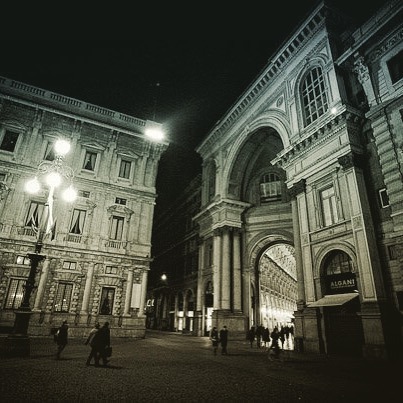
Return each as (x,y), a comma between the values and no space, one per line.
(62,336)
(214,339)
(266,337)
(259,334)
(89,341)
(224,340)
(102,340)
(251,335)
(275,335)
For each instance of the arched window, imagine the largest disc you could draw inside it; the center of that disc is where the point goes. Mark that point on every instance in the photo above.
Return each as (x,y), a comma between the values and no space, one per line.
(338,262)
(270,187)
(314,99)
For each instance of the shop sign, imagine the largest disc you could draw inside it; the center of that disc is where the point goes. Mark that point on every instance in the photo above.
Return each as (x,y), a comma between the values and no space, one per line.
(341,283)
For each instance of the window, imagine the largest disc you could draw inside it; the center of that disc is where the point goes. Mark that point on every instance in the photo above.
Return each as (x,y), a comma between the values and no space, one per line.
(338,262)
(314,101)
(119,200)
(34,214)
(111,270)
(329,208)
(84,193)
(15,293)
(77,222)
(116,228)
(383,197)
(89,161)
(50,152)
(2,177)
(63,297)
(107,297)
(23,260)
(395,66)
(124,170)
(270,187)
(9,141)
(69,265)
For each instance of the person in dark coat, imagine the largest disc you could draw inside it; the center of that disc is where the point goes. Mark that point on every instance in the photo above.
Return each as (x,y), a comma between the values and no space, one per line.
(224,340)
(89,341)
(275,336)
(214,339)
(251,336)
(266,337)
(102,340)
(62,337)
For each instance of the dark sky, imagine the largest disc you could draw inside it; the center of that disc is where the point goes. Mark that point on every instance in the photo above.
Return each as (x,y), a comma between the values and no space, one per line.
(185,76)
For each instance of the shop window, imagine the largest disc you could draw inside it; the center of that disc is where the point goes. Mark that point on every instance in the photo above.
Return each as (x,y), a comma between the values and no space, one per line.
(329,206)
(107,297)
(63,297)
(77,222)
(314,99)
(9,141)
(15,293)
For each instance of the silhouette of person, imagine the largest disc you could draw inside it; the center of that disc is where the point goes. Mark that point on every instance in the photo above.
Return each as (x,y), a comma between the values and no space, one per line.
(224,340)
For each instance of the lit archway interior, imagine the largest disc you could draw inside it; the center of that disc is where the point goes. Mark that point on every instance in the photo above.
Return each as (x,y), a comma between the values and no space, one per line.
(278,286)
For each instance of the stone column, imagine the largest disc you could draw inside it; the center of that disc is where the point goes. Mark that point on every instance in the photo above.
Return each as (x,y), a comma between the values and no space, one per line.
(217,269)
(200,291)
(237,271)
(143,292)
(226,270)
(41,285)
(129,290)
(87,289)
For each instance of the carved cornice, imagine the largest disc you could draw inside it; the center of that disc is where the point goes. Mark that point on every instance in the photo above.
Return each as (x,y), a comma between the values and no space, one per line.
(351,160)
(297,188)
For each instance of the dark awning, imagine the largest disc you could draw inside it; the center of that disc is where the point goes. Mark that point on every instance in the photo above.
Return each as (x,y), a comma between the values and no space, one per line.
(333,300)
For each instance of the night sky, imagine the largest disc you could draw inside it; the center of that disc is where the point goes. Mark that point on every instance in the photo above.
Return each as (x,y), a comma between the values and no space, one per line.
(185,73)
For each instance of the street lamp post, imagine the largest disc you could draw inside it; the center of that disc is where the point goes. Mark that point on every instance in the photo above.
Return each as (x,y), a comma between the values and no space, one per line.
(53,172)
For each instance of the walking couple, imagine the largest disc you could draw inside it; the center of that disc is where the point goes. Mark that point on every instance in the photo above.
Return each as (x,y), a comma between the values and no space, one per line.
(99,339)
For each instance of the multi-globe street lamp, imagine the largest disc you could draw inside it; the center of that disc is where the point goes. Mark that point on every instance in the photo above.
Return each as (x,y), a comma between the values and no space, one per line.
(51,174)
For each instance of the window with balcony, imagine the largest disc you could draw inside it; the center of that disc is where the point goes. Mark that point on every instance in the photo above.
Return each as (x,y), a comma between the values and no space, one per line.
(116,231)
(34,214)
(77,222)
(314,99)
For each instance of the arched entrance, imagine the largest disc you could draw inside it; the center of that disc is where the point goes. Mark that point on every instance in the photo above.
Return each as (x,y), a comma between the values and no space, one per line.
(277,287)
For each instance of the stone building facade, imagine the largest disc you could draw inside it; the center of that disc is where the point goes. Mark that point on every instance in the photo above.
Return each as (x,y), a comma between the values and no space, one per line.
(98,252)
(304,174)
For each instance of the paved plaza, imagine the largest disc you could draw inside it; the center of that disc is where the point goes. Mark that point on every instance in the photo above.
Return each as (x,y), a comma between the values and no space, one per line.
(166,367)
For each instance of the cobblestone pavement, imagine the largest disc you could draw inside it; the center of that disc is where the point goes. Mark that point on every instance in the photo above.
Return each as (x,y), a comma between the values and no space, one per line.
(173,367)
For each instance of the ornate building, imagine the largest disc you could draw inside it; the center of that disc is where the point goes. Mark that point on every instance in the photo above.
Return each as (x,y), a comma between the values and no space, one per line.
(98,253)
(301,215)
